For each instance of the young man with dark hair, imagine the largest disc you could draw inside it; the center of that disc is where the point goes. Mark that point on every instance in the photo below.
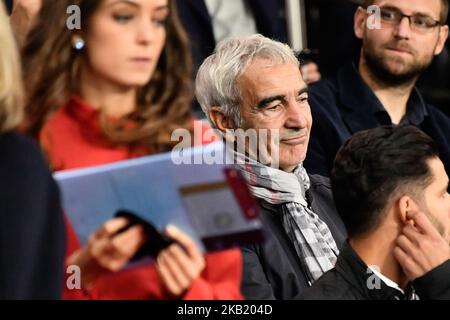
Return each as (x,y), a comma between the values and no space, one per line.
(381,178)
(400,39)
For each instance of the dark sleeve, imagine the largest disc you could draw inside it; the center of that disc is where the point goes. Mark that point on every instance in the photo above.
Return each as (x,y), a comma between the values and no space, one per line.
(255,285)
(435,285)
(32,232)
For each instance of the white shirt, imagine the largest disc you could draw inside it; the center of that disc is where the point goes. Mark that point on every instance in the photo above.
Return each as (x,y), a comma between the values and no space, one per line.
(386,280)
(231,18)
(391,283)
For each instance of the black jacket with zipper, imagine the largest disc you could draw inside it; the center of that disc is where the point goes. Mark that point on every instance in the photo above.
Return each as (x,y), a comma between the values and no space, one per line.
(352,279)
(273,270)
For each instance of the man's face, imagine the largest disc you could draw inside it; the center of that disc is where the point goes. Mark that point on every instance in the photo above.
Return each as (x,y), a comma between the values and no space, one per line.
(274,96)
(397,53)
(436,200)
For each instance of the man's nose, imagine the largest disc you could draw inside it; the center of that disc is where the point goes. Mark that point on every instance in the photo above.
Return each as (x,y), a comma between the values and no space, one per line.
(296,116)
(403,29)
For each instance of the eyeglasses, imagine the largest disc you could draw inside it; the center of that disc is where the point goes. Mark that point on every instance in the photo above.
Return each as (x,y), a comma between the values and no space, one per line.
(418,22)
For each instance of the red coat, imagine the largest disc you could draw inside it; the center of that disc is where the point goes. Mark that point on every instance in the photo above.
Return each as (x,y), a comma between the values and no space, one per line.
(72,139)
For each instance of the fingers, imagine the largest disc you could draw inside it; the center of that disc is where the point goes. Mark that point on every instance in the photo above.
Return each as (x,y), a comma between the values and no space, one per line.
(110,227)
(167,278)
(172,271)
(420,247)
(408,265)
(422,223)
(190,267)
(413,235)
(186,242)
(129,242)
(180,264)
(112,253)
(405,244)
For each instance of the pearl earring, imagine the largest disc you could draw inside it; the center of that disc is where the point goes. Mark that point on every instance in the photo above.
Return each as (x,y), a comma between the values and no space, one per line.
(78,43)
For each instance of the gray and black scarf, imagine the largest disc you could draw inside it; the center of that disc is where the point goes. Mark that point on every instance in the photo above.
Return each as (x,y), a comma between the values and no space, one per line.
(312,238)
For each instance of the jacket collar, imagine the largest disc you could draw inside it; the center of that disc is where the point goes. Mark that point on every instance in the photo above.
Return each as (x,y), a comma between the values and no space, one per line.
(363,110)
(351,267)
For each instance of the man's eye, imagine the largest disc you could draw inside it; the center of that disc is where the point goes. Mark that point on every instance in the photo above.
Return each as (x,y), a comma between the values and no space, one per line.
(422,22)
(302,99)
(388,15)
(273,107)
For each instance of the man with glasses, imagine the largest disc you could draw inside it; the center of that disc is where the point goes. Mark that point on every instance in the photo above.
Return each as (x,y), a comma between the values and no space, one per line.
(399,41)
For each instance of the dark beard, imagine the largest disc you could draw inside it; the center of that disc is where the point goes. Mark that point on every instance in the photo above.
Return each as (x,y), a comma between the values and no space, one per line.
(382,73)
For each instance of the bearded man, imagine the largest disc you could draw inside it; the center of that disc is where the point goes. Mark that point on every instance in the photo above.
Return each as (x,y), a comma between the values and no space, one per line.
(400,39)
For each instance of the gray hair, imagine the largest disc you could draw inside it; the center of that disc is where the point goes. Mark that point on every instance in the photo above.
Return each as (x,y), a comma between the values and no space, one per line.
(216,82)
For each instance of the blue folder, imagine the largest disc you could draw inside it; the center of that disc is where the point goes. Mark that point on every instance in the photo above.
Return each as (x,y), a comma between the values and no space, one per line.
(186,188)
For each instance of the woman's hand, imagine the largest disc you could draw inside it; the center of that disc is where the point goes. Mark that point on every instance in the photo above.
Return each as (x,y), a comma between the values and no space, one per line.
(107,252)
(180,264)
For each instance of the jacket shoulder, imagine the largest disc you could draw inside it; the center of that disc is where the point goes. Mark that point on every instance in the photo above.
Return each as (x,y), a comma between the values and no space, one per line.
(331,286)
(320,181)
(325,90)
(438,114)
(21,152)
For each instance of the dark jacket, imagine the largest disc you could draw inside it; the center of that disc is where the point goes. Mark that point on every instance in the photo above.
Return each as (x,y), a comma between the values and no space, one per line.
(273,270)
(194,15)
(344,105)
(351,279)
(32,230)
(435,285)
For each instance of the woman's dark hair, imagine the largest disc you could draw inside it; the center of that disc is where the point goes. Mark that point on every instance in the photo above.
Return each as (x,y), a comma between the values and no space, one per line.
(51,78)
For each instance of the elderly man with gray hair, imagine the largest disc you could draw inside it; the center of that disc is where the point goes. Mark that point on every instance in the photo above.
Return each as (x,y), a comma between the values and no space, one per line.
(255,84)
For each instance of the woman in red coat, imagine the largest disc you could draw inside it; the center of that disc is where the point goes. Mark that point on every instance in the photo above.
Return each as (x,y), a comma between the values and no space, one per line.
(107,82)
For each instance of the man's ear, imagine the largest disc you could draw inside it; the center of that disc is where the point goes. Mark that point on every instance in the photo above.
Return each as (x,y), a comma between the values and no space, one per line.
(220,120)
(406,204)
(443,36)
(360,23)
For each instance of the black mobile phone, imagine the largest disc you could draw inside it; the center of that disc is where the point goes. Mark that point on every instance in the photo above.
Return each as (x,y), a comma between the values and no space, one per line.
(156,242)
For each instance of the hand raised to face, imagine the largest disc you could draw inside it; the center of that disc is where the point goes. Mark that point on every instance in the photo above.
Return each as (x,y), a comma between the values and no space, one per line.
(420,248)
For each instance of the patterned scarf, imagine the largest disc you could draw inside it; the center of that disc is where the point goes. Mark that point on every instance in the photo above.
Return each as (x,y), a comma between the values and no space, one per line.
(311,237)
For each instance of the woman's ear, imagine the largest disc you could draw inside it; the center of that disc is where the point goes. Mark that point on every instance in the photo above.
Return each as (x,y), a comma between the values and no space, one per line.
(405,205)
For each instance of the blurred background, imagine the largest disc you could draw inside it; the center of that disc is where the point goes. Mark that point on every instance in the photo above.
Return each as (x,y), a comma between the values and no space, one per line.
(324,31)
(330,33)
